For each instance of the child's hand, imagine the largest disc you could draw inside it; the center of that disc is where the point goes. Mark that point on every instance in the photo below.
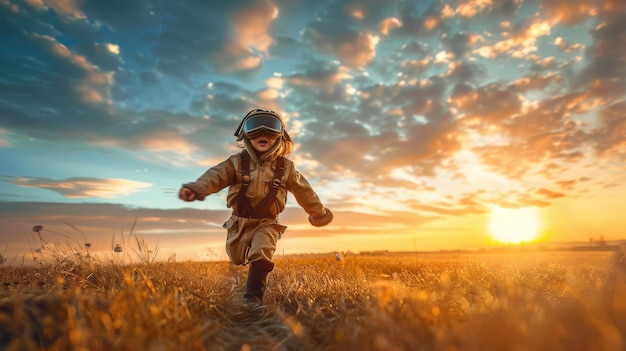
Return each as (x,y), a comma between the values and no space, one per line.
(186,194)
(322,220)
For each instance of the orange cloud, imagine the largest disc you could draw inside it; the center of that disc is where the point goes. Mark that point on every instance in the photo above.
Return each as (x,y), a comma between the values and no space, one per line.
(536,82)
(517,44)
(447,12)
(550,194)
(83,187)
(252,38)
(490,103)
(567,184)
(356,11)
(389,24)
(471,7)
(96,86)
(564,46)
(252,25)
(234,57)
(360,52)
(176,229)
(416,66)
(65,8)
(570,12)
(431,22)
(167,141)
(275,83)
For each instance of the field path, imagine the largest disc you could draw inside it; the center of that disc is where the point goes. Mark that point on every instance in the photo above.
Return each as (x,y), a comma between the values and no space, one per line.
(252,327)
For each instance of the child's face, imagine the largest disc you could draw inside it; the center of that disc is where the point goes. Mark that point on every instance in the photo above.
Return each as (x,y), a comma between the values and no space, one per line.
(263,142)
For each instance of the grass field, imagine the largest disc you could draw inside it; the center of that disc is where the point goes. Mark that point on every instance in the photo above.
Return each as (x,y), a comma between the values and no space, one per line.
(469,301)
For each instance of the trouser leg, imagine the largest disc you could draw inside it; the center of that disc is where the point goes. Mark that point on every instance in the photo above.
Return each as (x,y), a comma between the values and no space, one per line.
(237,239)
(262,246)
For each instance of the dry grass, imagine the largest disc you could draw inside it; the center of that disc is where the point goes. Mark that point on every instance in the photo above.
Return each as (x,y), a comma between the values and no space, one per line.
(475,302)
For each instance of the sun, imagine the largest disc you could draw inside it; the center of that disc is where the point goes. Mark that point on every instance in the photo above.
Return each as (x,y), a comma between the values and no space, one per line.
(514,226)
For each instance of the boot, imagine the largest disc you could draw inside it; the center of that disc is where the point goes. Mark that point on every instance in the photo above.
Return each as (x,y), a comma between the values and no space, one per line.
(255,284)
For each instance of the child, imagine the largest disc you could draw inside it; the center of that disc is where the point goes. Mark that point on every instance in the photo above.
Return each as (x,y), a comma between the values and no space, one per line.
(258,179)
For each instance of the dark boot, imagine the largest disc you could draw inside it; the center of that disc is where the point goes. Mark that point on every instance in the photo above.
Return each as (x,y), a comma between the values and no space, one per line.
(255,284)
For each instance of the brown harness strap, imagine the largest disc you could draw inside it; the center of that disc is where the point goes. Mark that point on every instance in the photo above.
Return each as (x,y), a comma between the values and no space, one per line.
(262,210)
(243,205)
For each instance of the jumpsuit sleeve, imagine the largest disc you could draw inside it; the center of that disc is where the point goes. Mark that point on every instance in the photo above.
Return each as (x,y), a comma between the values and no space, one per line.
(214,179)
(307,199)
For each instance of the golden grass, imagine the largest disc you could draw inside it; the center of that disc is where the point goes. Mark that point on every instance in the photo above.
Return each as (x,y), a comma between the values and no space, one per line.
(529,301)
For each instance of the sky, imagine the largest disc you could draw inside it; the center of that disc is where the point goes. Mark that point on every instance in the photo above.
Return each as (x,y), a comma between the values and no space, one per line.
(418,123)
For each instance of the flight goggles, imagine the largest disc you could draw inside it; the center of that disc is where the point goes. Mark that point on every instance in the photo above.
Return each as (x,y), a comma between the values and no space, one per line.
(258,121)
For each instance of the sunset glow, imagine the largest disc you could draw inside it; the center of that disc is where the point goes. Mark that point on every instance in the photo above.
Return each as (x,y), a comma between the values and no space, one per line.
(514,226)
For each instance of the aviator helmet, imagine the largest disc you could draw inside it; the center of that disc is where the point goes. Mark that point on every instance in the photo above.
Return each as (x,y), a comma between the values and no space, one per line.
(258,121)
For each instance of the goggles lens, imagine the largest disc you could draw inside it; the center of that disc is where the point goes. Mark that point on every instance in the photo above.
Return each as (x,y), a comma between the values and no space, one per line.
(267,123)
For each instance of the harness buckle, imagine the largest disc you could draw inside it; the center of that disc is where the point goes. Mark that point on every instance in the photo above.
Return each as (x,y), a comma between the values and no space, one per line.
(276,183)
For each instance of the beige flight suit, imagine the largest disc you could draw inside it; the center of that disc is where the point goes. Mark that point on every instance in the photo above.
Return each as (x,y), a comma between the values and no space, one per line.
(255,239)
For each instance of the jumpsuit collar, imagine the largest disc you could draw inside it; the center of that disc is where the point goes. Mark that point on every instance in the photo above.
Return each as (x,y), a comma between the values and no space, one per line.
(268,155)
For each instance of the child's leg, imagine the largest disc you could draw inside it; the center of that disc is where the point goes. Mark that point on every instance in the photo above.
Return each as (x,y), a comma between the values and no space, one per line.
(255,283)
(262,248)
(237,239)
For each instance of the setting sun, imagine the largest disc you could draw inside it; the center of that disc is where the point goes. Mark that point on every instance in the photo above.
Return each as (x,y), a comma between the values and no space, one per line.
(514,226)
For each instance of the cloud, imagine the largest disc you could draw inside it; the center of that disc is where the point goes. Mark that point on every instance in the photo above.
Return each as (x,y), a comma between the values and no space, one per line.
(573,12)
(67,90)
(75,98)
(470,8)
(389,24)
(466,71)
(81,187)
(566,47)
(461,43)
(415,67)
(105,56)
(158,32)
(536,82)
(4,138)
(567,184)
(252,25)
(252,39)
(606,57)
(520,42)
(174,229)
(318,78)
(354,49)
(462,208)
(491,103)
(544,64)
(416,24)
(415,47)
(65,8)
(530,134)
(234,58)
(550,194)
(99,223)
(123,16)
(611,136)
(520,135)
